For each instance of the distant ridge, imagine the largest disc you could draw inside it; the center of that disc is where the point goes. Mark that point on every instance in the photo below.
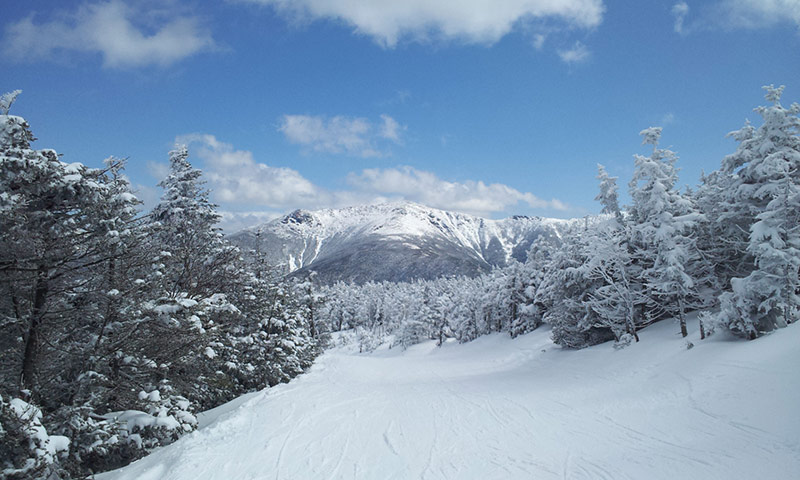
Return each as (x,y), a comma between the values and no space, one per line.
(398,241)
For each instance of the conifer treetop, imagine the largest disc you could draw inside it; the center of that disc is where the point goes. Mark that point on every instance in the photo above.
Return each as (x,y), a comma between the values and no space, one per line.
(6,100)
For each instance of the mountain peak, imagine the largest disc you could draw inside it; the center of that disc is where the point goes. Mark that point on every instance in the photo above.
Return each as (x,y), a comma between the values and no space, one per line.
(393,241)
(298,217)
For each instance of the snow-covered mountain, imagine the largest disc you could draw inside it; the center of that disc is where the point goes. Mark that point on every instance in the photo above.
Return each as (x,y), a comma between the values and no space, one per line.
(393,241)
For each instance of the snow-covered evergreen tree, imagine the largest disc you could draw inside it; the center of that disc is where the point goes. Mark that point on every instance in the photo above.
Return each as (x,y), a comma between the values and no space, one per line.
(609,193)
(521,286)
(662,222)
(566,289)
(311,301)
(99,304)
(609,262)
(6,100)
(29,452)
(187,228)
(767,182)
(70,261)
(62,227)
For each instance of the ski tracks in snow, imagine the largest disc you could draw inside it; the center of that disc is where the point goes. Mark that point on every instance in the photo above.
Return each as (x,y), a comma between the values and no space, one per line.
(486,411)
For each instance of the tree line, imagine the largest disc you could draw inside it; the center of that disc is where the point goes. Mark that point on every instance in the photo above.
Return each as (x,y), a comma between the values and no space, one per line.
(117,326)
(728,249)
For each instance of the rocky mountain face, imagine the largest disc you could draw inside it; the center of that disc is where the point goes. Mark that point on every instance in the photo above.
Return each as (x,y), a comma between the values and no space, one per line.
(392,242)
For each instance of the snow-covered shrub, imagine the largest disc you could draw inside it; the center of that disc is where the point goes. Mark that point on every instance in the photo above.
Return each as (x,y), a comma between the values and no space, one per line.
(367,341)
(163,420)
(94,441)
(708,323)
(28,451)
(624,340)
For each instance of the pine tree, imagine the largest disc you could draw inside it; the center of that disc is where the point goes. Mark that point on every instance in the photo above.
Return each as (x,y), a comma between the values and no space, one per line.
(187,228)
(609,262)
(566,290)
(768,185)
(62,226)
(662,220)
(608,196)
(103,310)
(70,258)
(521,287)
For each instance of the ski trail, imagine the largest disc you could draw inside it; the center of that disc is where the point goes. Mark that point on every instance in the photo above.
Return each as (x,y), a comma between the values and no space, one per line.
(499,409)
(386,438)
(432,450)
(344,448)
(283,445)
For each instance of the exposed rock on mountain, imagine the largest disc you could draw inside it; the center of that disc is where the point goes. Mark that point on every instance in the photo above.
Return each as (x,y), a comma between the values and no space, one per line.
(392,241)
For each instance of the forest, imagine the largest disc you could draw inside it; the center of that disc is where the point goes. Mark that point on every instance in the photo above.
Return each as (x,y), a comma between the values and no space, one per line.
(728,249)
(118,326)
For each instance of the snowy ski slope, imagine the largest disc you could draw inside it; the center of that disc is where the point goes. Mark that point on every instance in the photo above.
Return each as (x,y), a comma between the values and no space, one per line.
(512,409)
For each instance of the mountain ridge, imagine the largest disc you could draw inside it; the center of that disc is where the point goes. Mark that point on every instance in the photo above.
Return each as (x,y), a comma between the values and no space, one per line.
(398,241)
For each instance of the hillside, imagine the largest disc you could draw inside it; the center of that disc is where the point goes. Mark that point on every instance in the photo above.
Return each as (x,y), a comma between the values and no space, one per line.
(393,241)
(498,408)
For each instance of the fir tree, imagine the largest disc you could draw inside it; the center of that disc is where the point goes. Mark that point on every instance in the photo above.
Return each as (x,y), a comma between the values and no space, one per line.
(187,228)
(608,195)
(768,183)
(662,221)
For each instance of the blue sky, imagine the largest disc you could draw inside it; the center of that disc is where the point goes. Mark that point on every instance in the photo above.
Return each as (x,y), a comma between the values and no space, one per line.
(487,107)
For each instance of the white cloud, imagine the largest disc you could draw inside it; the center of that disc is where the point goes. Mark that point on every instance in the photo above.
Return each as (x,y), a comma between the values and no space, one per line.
(758,13)
(737,14)
(578,53)
(235,221)
(158,170)
(390,130)
(475,197)
(668,118)
(538,40)
(149,196)
(469,21)
(400,97)
(238,182)
(235,177)
(125,36)
(352,136)
(679,11)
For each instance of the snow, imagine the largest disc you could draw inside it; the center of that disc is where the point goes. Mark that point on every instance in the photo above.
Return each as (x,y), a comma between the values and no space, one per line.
(75,167)
(187,302)
(154,396)
(522,408)
(135,420)
(127,197)
(48,445)
(58,443)
(167,309)
(24,410)
(309,236)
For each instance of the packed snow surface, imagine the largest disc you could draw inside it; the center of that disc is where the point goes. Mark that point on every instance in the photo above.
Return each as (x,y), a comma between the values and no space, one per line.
(499,408)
